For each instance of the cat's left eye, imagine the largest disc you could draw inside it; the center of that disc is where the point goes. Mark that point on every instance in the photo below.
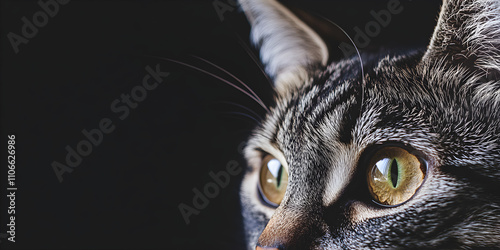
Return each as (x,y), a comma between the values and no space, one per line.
(273,180)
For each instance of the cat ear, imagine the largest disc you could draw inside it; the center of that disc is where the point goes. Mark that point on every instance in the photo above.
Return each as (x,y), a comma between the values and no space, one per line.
(289,49)
(468,34)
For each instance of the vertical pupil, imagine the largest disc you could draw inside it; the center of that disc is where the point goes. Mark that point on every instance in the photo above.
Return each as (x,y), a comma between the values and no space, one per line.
(278,178)
(394,173)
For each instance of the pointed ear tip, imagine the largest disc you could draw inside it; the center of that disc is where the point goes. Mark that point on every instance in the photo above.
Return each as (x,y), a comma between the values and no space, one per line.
(467,32)
(287,45)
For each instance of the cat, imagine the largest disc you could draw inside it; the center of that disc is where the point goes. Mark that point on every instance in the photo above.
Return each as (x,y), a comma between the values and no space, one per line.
(395,151)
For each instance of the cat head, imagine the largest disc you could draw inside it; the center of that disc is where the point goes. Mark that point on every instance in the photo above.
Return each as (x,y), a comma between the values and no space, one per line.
(405,154)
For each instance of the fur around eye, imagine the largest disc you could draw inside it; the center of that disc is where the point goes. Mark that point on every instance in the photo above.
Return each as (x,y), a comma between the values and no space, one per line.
(394,175)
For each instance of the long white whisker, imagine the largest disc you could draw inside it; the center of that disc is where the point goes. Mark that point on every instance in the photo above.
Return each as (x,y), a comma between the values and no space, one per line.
(217,77)
(363,85)
(254,59)
(234,77)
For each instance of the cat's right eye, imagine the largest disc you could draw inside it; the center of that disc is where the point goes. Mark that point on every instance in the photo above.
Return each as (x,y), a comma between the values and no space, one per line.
(273,180)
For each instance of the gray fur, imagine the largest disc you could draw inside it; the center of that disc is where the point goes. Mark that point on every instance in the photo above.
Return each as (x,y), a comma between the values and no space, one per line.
(444,103)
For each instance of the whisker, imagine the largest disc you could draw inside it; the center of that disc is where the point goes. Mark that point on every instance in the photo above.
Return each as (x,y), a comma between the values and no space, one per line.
(363,83)
(254,59)
(214,76)
(234,77)
(245,108)
(243,114)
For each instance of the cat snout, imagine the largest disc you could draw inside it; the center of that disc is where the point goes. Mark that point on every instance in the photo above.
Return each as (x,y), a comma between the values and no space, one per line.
(291,228)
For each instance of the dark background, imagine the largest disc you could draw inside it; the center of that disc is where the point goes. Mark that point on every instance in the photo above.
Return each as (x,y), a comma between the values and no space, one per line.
(125,194)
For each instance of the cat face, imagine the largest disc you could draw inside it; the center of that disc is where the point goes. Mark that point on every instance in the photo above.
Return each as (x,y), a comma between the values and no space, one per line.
(405,154)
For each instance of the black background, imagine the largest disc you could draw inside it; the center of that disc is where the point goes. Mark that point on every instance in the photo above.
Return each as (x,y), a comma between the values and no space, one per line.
(126,193)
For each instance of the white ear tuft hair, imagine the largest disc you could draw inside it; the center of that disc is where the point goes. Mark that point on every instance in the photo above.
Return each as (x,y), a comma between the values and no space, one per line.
(289,49)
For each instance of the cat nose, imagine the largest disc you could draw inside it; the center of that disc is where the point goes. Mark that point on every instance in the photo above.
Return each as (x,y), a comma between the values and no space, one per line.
(265,248)
(290,229)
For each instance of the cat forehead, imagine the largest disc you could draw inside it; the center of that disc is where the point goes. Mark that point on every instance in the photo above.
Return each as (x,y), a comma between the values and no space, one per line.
(329,105)
(398,90)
